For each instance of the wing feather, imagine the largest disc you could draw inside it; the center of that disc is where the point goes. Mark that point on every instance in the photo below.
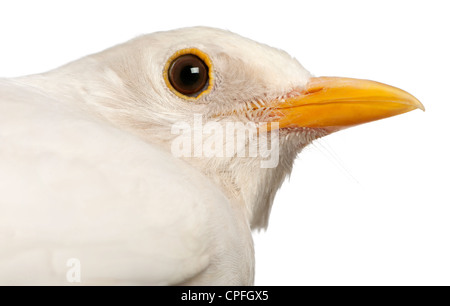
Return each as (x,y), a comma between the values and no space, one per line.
(74,186)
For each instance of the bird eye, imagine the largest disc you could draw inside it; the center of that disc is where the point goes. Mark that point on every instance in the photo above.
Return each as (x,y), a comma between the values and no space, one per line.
(188,73)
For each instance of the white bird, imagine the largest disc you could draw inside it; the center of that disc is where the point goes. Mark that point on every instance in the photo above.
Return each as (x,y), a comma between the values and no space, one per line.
(88,170)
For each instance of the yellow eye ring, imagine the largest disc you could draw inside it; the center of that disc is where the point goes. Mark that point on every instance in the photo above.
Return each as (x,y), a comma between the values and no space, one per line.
(188,73)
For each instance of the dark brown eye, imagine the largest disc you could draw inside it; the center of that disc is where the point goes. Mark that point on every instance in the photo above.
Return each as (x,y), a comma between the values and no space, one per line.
(188,74)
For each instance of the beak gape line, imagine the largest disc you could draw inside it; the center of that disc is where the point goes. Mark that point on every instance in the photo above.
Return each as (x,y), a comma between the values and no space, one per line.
(227,140)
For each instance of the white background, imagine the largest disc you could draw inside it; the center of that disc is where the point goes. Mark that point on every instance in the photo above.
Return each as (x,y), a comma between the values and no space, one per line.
(368,205)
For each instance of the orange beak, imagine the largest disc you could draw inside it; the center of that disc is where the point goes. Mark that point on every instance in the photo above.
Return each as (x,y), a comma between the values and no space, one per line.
(335,103)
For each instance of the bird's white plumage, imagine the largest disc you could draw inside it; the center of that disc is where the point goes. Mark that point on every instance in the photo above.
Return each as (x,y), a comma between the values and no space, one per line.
(73,186)
(86,169)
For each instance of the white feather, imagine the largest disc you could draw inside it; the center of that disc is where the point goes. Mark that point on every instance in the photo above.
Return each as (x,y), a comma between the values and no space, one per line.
(73,186)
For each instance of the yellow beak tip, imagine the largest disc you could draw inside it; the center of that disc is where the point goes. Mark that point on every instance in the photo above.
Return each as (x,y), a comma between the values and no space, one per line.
(420,106)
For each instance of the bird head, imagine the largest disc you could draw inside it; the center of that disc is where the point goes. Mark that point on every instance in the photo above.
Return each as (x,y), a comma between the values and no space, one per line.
(168,85)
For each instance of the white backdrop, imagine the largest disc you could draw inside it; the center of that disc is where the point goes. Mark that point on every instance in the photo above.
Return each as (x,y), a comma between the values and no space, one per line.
(368,205)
